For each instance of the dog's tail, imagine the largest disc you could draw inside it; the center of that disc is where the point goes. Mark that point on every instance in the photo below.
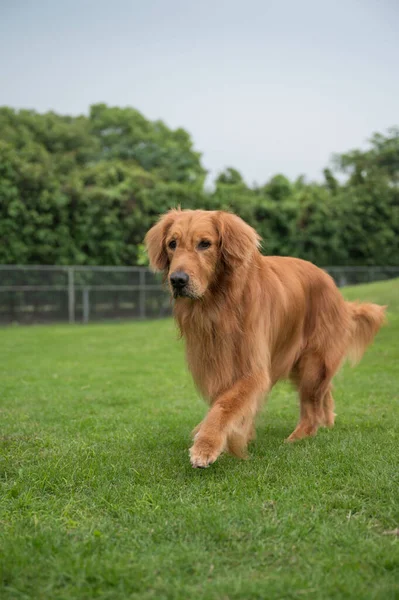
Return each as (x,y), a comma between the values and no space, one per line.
(366,321)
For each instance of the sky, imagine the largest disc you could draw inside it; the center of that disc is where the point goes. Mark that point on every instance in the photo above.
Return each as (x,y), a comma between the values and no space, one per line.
(263,86)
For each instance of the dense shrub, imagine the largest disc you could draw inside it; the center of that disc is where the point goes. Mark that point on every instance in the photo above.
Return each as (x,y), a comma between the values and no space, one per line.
(84,190)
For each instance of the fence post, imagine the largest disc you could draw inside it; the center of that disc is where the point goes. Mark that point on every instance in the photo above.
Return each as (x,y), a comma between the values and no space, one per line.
(71,295)
(86,305)
(142,294)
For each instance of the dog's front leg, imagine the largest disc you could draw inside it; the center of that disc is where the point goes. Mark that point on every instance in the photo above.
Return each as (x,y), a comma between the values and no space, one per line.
(239,404)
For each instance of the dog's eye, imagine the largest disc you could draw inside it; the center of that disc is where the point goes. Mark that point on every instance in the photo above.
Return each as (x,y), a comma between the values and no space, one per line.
(172,244)
(203,245)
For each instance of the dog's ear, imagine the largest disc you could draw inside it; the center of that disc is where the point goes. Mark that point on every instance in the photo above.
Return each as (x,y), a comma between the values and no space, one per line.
(155,242)
(238,241)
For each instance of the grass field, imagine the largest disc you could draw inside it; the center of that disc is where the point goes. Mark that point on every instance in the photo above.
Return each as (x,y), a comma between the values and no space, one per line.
(98,499)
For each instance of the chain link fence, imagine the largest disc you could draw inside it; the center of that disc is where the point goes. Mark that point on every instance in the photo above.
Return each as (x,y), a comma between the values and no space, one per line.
(46,294)
(50,294)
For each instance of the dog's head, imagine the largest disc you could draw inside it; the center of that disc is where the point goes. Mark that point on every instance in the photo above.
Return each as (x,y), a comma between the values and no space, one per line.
(194,247)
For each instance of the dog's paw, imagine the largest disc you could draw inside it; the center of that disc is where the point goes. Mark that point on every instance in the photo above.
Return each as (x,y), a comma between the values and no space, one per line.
(329,419)
(237,445)
(302,431)
(203,453)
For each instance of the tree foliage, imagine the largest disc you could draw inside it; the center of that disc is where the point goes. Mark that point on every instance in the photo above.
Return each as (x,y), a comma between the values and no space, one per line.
(84,190)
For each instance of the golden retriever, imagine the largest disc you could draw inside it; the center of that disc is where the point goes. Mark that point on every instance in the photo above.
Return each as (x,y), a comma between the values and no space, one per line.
(249,321)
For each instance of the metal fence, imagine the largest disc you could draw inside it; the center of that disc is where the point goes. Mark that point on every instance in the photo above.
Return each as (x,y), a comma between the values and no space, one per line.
(48,294)
(45,294)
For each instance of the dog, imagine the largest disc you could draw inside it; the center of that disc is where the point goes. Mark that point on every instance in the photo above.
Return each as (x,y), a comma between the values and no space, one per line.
(250,320)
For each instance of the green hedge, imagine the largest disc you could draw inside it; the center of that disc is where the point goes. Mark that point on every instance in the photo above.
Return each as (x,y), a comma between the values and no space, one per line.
(84,190)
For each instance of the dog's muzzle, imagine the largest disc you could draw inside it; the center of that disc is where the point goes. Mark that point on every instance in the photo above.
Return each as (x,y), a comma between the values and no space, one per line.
(179,281)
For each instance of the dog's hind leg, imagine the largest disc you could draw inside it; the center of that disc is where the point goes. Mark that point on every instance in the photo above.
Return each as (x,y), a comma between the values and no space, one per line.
(313,375)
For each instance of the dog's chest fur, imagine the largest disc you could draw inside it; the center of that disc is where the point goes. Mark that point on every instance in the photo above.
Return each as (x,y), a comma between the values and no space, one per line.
(219,346)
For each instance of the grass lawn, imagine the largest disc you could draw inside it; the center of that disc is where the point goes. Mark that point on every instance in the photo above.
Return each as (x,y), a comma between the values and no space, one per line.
(98,498)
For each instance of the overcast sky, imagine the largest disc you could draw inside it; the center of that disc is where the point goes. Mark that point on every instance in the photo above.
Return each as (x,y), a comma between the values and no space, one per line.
(264,86)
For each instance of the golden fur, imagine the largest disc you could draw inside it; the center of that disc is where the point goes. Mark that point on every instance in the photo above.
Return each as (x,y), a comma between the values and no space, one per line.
(249,321)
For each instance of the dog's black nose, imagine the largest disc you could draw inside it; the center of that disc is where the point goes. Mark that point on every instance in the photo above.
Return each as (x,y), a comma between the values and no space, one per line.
(179,279)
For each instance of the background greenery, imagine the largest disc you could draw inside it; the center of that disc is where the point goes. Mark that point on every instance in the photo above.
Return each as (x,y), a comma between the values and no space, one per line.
(84,190)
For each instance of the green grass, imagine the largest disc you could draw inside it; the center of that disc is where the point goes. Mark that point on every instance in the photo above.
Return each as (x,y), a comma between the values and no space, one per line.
(98,499)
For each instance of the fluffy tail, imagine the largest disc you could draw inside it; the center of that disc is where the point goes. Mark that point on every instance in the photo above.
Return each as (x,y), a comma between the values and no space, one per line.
(367,320)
